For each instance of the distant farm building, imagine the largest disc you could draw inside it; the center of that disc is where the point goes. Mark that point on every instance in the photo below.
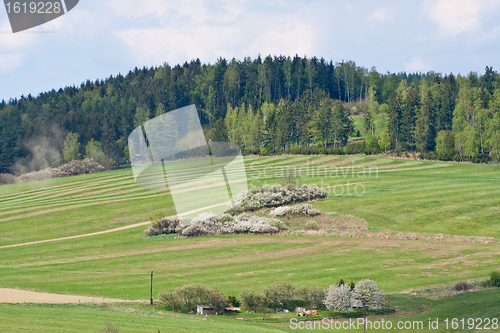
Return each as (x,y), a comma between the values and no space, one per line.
(204,310)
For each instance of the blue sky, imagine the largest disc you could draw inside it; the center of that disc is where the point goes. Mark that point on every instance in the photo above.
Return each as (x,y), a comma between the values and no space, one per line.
(99,38)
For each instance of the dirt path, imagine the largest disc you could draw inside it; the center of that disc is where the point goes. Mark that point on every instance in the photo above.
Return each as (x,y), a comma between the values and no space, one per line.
(16,296)
(106,231)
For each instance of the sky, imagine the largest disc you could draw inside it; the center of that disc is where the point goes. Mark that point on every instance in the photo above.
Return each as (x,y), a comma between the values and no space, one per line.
(99,38)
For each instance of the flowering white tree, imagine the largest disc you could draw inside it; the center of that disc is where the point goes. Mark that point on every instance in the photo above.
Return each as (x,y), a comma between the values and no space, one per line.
(338,298)
(368,292)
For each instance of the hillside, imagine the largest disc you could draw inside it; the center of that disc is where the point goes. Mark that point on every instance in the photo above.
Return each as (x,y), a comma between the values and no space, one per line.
(269,105)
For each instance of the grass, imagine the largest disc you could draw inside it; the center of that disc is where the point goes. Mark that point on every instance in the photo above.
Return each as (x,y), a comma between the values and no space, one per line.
(393,196)
(141,318)
(117,265)
(88,318)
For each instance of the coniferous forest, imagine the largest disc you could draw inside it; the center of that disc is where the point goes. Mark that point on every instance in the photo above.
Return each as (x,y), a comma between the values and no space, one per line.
(268,105)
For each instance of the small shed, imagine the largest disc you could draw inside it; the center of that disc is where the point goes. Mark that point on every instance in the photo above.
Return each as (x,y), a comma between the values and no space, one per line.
(204,309)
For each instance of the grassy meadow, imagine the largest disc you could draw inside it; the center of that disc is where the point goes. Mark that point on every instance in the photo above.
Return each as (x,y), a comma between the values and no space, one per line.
(389,195)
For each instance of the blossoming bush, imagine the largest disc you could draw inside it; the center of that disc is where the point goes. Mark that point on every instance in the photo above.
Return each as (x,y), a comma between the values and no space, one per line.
(275,196)
(72,168)
(279,211)
(211,224)
(302,209)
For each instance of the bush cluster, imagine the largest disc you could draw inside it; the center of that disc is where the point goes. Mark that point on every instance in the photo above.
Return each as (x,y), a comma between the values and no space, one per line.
(283,296)
(72,168)
(211,224)
(302,209)
(275,196)
(207,224)
(340,297)
(186,298)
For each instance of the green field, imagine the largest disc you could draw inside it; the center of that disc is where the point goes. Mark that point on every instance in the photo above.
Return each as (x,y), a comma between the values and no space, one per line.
(391,195)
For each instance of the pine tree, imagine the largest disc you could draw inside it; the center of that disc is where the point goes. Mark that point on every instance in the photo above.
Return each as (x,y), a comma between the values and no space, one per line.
(219,132)
(425,130)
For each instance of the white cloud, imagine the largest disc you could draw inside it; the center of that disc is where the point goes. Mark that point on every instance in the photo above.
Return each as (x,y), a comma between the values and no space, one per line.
(382,16)
(134,8)
(417,64)
(210,32)
(457,16)
(9,62)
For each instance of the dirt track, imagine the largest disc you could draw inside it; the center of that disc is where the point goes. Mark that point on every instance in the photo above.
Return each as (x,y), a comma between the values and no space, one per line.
(16,296)
(106,231)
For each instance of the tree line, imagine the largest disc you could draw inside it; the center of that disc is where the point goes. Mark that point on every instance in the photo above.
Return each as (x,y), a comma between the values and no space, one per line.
(268,105)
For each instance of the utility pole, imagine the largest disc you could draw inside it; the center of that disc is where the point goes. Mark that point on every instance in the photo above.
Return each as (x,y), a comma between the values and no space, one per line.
(151,294)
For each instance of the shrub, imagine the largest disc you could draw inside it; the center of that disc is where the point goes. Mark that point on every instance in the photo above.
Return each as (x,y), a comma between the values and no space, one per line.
(312,225)
(311,297)
(211,224)
(253,301)
(110,328)
(462,286)
(279,294)
(72,168)
(279,211)
(166,225)
(304,209)
(186,298)
(7,178)
(290,176)
(495,279)
(275,196)
(203,224)
(280,225)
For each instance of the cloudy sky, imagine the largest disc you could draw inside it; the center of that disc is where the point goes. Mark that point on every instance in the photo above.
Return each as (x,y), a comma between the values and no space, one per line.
(99,38)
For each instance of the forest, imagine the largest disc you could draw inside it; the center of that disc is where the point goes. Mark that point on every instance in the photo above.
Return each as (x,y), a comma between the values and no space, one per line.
(270,105)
